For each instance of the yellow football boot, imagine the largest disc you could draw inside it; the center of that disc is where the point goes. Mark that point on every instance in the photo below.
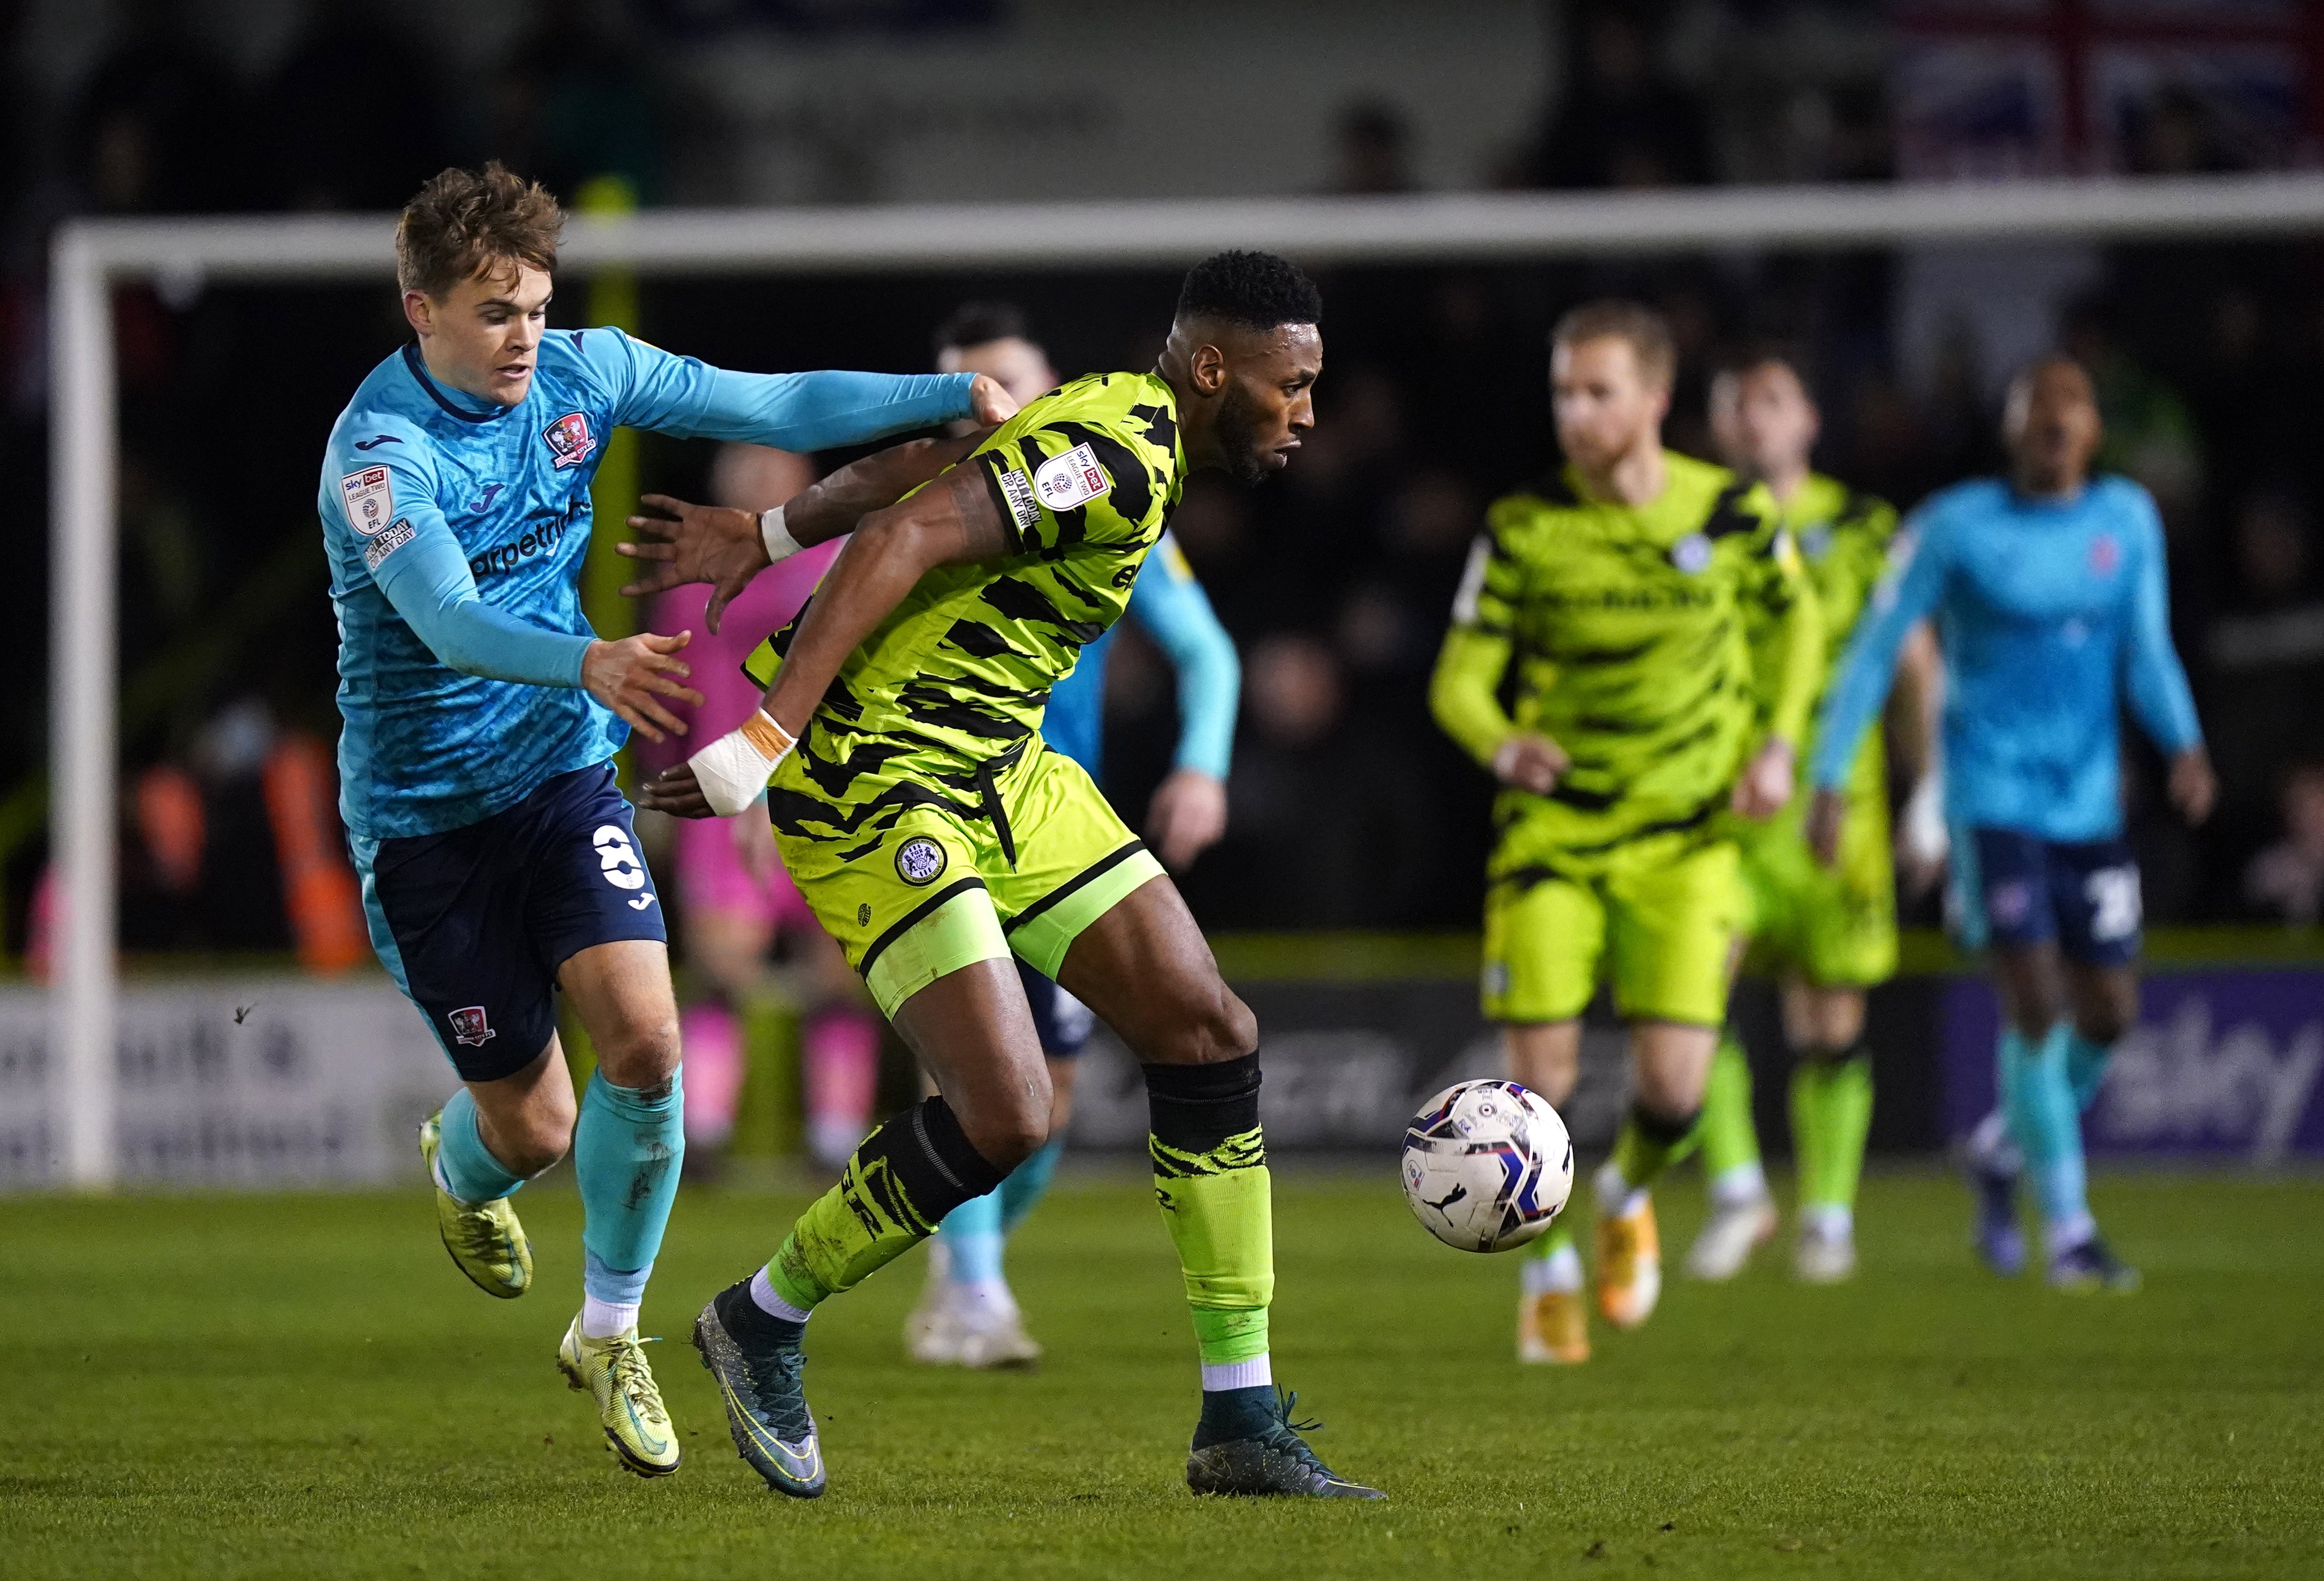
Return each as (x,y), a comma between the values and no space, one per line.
(1554,1327)
(614,1372)
(1629,1265)
(484,1239)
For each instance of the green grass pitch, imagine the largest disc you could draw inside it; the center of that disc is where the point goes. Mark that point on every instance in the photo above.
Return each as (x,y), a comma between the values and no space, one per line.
(304,1386)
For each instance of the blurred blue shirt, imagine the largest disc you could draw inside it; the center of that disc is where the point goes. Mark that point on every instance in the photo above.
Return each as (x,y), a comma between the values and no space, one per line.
(2051,614)
(1170,603)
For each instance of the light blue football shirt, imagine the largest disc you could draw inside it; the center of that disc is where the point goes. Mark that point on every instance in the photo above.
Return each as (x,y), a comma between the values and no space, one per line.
(456,532)
(2051,613)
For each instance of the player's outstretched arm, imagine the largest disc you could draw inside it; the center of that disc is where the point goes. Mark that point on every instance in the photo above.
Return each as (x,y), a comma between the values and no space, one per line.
(678,542)
(2157,683)
(954,520)
(689,399)
(1914,581)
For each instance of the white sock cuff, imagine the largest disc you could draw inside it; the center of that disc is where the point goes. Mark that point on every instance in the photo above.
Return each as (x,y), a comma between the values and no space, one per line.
(1249,1374)
(1744,1183)
(1560,1271)
(604,1319)
(763,1296)
(2067,1234)
(1830,1219)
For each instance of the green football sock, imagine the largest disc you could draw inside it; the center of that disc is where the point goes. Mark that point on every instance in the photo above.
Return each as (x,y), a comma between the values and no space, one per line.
(1211,1178)
(1728,1140)
(899,1186)
(1558,1237)
(1831,1114)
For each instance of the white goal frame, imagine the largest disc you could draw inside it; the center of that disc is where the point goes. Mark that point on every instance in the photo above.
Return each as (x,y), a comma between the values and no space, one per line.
(89,256)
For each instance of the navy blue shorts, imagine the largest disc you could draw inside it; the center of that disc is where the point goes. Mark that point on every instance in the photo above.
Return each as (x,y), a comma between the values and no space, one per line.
(1062,1020)
(474,923)
(2011,888)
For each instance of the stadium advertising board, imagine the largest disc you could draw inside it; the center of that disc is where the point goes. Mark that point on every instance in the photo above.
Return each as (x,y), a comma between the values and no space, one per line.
(270,1081)
(2223,1064)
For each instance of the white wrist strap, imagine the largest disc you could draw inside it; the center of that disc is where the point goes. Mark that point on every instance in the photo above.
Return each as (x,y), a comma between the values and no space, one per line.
(1925,835)
(781,544)
(733,770)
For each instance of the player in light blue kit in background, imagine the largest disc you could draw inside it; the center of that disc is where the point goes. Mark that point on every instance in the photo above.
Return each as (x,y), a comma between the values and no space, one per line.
(2049,596)
(498,860)
(968,1314)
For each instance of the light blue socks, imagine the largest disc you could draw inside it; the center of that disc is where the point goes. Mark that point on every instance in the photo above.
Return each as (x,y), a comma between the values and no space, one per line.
(974,1238)
(2086,1067)
(975,1233)
(1028,1183)
(2038,1094)
(626,1154)
(465,1166)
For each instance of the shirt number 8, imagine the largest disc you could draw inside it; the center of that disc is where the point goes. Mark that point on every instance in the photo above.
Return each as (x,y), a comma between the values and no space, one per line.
(618,857)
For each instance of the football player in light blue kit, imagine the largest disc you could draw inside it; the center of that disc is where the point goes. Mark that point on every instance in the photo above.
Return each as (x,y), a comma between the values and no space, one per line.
(968,1314)
(498,860)
(2048,593)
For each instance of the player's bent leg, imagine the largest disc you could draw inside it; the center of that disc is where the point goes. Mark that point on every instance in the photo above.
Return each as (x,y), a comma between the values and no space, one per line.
(1831,1116)
(1671,1063)
(479,1149)
(970,1028)
(1543,941)
(628,1151)
(1143,967)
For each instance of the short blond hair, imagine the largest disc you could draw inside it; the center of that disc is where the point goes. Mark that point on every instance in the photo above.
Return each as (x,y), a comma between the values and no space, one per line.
(1614,318)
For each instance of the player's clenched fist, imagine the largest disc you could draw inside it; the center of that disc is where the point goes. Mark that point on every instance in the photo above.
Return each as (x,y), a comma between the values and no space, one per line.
(989,399)
(1531,763)
(630,676)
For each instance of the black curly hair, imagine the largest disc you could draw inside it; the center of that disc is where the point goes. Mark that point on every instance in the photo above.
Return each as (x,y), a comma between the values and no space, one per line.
(1252,290)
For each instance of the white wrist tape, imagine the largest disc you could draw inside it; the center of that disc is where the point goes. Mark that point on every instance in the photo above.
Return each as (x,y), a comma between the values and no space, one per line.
(733,770)
(1925,835)
(781,544)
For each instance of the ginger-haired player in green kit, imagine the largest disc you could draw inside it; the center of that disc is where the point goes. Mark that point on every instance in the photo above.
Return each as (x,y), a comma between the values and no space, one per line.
(1616,591)
(936,836)
(1827,934)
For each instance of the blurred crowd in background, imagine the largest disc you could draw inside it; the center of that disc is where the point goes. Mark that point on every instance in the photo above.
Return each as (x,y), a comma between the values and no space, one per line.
(1348,811)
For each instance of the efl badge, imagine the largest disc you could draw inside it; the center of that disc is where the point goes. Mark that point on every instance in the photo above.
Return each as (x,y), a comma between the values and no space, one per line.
(369,499)
(1692,553)
(468,1026)
(570,440)
(2106,554)
(1074,479)
(921,861)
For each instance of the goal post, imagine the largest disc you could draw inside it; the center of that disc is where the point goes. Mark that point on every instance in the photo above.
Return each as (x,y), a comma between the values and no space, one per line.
(89,256)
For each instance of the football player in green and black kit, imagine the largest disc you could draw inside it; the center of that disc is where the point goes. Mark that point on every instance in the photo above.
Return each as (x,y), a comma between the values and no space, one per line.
(1827,934)
(1612,601)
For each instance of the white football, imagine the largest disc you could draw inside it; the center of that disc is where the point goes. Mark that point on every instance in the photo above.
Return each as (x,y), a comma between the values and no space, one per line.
(1488,1165)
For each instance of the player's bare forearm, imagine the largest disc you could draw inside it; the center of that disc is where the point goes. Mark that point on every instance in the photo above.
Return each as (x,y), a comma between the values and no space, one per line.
(1915,705)
(831,508)
(954,521)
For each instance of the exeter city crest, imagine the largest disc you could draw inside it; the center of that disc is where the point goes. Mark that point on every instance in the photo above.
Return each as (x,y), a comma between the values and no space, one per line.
(469,1026)
(570,440)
